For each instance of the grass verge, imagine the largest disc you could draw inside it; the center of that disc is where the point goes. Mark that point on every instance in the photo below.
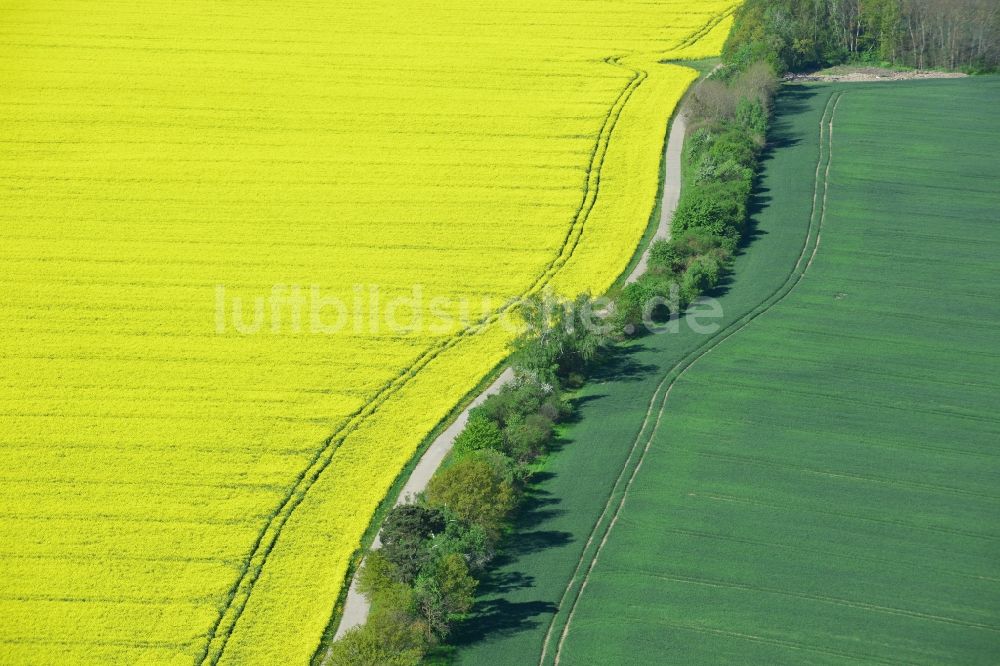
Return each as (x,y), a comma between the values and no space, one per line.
(823,485)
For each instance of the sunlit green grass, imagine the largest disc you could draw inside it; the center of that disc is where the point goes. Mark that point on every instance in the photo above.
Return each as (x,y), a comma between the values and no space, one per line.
(824,486)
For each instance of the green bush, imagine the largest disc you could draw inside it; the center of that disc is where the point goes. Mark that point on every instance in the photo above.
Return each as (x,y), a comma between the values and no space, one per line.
(733,143)
(469,541)
(665,257)
(729,121)
(696,242)
(701,275)
(477,489)
(395,633)
(481,432)
(629,305)
(528,437)
(444,592)
(513,400)
(375,644)
(555,408)
(714,208)
(696,143)
(405,538)
(560,338)
(637,300)
(673,257)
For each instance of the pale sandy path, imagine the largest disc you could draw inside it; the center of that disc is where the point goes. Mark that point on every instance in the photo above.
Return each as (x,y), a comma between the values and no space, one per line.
(356,605)
(671,190)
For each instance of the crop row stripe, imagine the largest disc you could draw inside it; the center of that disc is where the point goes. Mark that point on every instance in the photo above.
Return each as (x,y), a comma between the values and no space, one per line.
(704,30)
(250,571)
(577,584)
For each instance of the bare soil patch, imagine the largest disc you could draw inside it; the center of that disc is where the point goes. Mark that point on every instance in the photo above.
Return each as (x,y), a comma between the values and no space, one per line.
(852,74)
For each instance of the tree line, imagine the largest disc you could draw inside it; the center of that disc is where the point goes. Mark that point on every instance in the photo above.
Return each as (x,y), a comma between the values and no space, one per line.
(436,548)
(799,35)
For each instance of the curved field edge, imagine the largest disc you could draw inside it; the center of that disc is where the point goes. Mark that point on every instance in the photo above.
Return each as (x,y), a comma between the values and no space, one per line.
(825,488)
(375,525)
(394,495)
(520,599)
(569,272)
(561,623)
(254,564)
(178,441)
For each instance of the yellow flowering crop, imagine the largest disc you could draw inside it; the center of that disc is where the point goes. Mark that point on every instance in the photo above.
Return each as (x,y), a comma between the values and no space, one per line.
(184,481)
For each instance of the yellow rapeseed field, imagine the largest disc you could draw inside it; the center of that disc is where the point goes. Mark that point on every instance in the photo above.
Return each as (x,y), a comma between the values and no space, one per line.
(211,213)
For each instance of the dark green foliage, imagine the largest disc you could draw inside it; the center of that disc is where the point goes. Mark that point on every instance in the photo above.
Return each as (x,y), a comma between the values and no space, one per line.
(786,34)
(469,541)
(715,208)
(560,337)
(527,437)
(405,535)
(701,275)
(730,120)
(629,307)
(523,414)
(695,242)
(518,399)
(733,142)
(444,592)
(751,115)
(478,489)
(555,408)
(798,35)
(481,432)
(407,619)
(422,580)
(395,633)
(638,301)
(665,257)
(380,642)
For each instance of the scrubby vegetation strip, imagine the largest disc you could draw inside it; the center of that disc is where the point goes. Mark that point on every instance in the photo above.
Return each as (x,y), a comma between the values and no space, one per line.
(727,125)
(434,549)
(424,576)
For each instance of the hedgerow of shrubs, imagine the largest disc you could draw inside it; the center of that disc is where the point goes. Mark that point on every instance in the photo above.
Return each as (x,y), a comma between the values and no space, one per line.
(434,549)
(728,122)
(424,577)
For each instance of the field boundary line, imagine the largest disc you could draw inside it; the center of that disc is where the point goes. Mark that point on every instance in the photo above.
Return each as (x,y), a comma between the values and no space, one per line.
(836,601)
(866,659)
(676,120)
(253,564)
(680,368)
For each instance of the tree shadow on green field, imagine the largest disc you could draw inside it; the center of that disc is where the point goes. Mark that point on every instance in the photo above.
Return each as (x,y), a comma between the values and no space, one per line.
(496,614)
(618,363)
(537,508)
(499,617)
(792,101)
